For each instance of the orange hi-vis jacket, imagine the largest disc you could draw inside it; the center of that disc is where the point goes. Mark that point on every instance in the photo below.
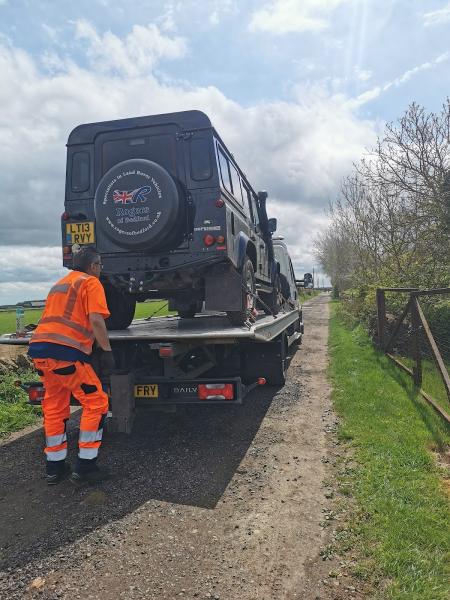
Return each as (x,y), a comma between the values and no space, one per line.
(65,319)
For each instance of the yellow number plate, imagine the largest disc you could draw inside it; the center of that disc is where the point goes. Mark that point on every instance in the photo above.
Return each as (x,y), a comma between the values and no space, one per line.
(80,233)
(146,390)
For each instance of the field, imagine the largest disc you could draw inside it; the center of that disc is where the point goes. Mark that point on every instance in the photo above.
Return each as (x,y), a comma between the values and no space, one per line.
(32,315)
(400,529)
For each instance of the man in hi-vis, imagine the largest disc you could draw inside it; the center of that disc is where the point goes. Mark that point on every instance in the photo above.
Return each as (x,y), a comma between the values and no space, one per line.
(61,347)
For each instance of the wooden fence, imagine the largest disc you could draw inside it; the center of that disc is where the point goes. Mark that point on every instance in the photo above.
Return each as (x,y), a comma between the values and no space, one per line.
(419,326)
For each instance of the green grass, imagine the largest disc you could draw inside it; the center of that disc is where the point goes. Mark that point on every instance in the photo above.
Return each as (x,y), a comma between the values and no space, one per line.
(143,309)
(431,380)
(15,412)
(304,295)
(400,528)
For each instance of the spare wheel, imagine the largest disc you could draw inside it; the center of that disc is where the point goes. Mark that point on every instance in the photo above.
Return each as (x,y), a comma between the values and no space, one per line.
(137,204)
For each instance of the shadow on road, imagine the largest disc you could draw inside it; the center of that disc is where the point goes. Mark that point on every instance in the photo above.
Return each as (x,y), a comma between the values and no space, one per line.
(184,458)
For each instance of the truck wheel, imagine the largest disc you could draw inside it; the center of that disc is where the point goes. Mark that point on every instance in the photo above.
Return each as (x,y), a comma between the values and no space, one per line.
(276,373)
(189,313)
(239,317)
(121,306)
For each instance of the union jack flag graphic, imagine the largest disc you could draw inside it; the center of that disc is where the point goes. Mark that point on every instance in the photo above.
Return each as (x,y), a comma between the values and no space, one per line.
(125,197)
(122,197)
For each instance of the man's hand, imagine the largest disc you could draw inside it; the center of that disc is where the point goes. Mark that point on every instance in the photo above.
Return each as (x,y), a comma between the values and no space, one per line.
(107,363)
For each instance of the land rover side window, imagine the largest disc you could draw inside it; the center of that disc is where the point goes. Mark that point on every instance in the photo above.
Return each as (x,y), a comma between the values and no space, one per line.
(200,159)
(254,210)
(235,180)
(224,173)
(80,172)
(247,202)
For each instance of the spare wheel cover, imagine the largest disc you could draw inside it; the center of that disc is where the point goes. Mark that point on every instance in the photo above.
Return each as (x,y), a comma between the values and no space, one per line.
(137,204)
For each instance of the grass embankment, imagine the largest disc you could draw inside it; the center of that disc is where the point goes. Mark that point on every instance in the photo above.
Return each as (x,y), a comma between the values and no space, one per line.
(400,529)
(15,412)
(304,295)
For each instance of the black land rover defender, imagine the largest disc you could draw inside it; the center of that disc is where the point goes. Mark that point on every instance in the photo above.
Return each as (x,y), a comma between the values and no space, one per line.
(172,215)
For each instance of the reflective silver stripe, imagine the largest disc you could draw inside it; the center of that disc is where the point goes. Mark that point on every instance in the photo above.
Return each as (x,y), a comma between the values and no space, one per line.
(72,298)
(55,440)
(90,436)
(70,324)
(58,455)
(62,339)
(88,452)
(61,288)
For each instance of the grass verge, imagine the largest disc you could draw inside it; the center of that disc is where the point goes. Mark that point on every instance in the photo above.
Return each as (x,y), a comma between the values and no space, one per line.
(15,412)
(400,529)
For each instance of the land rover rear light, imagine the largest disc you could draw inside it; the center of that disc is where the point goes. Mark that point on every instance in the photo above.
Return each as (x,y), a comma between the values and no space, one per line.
(220,239)
(216,391)
(36,393)
(219,202)
(67,250)
(65,216)
(209,239)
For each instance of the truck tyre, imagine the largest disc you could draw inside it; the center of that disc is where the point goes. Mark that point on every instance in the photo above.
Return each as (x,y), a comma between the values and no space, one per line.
(137,205)
(121,306)
(248,290)
(276,374)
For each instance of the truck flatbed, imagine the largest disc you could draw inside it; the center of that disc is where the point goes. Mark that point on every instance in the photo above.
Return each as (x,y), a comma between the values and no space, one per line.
(208,327)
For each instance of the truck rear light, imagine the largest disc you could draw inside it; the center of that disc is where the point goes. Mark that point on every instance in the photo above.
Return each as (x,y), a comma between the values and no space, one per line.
(209,239)
(219,203)
(216,391)
(165,351)
(220,239)
(262,381)
(36,394)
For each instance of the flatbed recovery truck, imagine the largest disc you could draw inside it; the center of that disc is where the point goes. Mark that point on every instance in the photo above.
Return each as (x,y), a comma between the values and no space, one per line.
(169,361)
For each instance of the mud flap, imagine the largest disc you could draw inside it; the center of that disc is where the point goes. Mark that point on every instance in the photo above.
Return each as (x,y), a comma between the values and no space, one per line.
(223,290)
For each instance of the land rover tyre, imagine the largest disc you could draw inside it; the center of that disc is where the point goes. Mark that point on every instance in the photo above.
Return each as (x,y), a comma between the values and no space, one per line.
(137,205)
(121,306)
(272,301)
(248,291)
(191,311)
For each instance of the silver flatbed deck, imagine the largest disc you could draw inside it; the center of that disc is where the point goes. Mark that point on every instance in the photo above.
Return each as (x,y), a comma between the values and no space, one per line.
(206,326)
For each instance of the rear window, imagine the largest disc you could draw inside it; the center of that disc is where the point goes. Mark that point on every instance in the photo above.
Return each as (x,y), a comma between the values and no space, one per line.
(201,167)
(80,172)
(158,148)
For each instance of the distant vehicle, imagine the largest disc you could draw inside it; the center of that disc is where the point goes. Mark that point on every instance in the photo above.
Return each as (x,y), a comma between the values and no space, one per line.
(173,216)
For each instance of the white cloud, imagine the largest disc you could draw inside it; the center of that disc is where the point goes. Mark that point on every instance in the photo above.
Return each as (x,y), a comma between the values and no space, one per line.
(437,17)
(132,56)
(284,16)
(297,150)
(376,91)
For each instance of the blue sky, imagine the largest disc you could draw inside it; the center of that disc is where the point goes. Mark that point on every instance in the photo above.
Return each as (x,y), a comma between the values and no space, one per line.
(298,90)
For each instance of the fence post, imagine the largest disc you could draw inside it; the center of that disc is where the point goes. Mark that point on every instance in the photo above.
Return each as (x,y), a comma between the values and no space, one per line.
(416,323)
(381,316)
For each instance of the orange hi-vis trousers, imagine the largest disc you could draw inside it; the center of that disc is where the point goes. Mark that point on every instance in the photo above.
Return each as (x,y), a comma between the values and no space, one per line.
(61,379)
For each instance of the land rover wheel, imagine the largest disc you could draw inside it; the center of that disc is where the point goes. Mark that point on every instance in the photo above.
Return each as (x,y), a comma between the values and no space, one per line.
(191,311)
(272,301)
(248,291)
(121,306)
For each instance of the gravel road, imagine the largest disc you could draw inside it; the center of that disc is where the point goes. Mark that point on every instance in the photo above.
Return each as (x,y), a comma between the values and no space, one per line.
(206,503)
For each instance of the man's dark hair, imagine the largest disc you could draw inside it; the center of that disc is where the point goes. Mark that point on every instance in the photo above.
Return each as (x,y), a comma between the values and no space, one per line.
(84,258)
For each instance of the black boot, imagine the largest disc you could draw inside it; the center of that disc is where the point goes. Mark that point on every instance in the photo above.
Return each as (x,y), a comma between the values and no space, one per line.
(88,472)
(57,470)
